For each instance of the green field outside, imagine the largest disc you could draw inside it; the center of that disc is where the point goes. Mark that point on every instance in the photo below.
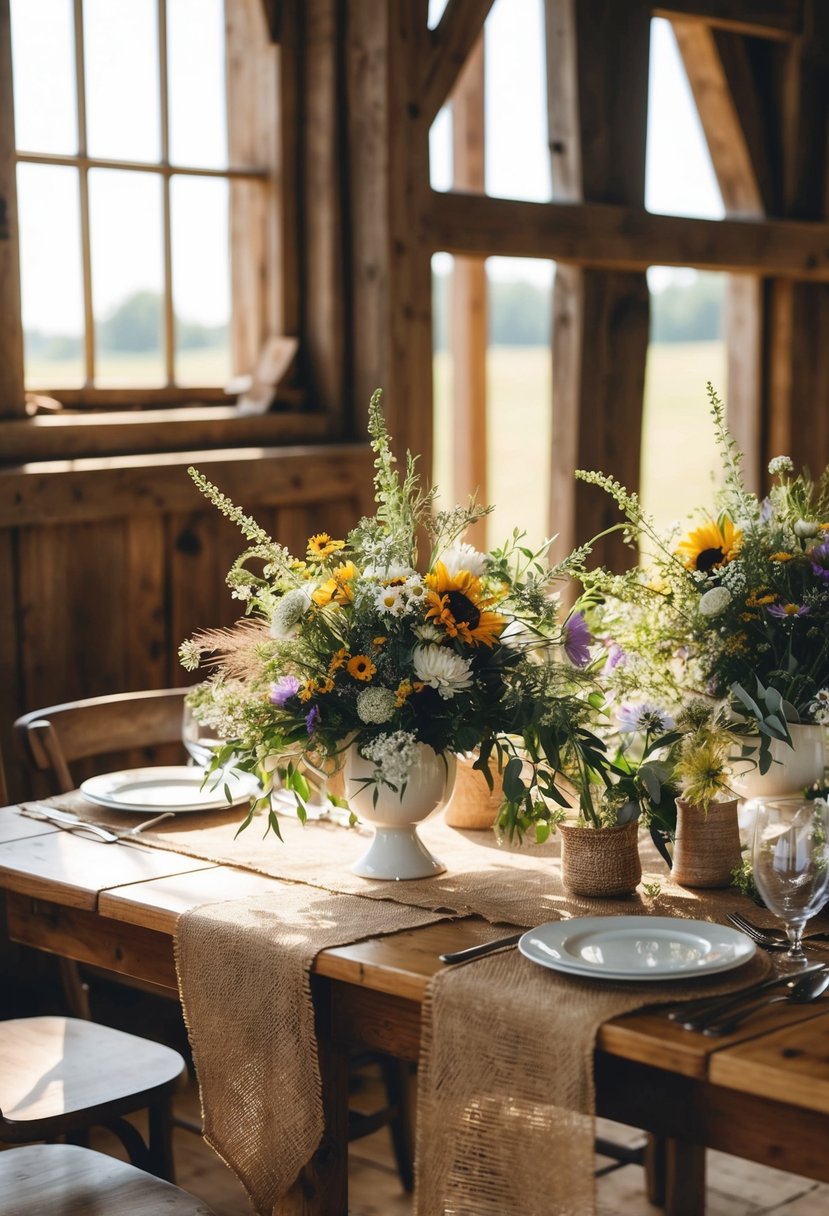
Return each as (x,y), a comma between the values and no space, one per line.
(678,448)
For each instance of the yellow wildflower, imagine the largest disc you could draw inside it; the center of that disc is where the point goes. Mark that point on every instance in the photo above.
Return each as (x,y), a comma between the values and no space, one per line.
(381,641)
(338,660)
(710,546)
(322,546)
(757,599)
(360,667)
(781,557)
(307,690)
(325,684)
(338,588)
(405,689)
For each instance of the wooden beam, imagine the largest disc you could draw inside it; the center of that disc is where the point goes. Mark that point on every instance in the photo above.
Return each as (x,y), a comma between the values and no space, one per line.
(324,319)
(71,491)
(726,96)
(626,238)
(600,316)
(468,318)
(735,164)
(128,432)
(451,44)
(12,399)
(779,19)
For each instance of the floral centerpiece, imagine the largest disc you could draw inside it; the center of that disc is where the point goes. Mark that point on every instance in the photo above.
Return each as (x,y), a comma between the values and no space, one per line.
(358,645)
(738,608)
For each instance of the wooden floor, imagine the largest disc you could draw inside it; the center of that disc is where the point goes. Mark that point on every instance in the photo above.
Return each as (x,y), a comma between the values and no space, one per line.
(735,1188)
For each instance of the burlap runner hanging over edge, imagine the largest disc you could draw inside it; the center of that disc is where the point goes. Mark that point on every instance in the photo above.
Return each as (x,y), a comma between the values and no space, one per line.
(243,970)
(506,1095)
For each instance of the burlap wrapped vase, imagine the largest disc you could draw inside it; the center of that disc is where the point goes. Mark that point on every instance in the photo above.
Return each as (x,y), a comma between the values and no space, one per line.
(600,863)
(707,846)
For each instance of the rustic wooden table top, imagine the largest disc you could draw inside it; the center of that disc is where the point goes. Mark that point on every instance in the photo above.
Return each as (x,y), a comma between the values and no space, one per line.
(781,1053)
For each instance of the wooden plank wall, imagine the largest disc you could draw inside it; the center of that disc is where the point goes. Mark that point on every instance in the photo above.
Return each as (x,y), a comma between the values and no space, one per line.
(114,563)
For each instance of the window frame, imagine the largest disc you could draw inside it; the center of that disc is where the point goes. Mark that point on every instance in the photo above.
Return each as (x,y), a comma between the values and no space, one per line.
(256,180)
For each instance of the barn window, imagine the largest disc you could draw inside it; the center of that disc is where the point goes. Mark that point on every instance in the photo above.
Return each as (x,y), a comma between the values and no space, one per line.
(145,164)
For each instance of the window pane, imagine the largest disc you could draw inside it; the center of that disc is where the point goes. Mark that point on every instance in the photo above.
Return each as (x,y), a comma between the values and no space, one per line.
(679,455)
(680,178)
(122,91)
(127,276)
(519,393)
(196,58)
(50,269)
(45,116)
(201,279)
(517,155)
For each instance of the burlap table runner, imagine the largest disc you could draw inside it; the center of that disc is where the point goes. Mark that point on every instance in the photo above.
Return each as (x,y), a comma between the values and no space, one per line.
(243,969)
(506,1070)
(506,1084)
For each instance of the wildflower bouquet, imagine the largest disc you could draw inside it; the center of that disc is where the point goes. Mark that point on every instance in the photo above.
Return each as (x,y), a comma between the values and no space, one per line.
(739,607)
(355,644)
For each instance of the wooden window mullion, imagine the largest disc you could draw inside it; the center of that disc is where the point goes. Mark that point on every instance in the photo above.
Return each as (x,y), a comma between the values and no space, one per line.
(12,398)
(164,110)
(83,193)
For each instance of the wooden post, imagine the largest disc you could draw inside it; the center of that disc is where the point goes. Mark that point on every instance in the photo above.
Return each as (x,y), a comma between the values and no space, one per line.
(255,206)
(391,300)
(468,314)
(12,398)
(597,69)
(796,405)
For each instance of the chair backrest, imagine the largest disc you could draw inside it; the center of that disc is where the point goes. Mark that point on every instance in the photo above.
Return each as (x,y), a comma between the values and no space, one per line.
(51,739)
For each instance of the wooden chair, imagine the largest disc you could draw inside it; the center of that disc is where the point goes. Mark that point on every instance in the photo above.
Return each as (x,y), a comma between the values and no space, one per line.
(52,739)
(65,1180)
(58,736)
(61,1076)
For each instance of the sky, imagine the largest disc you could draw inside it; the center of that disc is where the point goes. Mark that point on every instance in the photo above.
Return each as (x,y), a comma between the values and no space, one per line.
(126,218)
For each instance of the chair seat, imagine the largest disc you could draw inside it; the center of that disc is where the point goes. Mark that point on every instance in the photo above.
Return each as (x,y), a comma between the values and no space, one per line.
(64,1180)
(53,1066)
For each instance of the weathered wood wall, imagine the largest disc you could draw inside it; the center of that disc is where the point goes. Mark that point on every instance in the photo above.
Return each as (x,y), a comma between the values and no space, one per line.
(107,565)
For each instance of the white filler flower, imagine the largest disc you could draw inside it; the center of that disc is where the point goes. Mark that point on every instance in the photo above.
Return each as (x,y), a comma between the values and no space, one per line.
(289,611)
(442,669)
(715,601)
(376,704)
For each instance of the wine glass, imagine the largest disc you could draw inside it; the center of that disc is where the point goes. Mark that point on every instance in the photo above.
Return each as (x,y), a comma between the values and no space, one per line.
(791,864)
(200,739)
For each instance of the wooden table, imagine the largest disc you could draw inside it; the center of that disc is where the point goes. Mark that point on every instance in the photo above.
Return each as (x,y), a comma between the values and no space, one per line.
(762,1094)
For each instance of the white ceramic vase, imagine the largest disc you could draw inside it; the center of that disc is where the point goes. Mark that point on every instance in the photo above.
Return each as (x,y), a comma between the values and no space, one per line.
(792,769)
(396,851)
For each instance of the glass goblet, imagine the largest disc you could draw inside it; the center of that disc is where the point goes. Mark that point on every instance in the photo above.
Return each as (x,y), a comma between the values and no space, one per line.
(199,739)
(790,858)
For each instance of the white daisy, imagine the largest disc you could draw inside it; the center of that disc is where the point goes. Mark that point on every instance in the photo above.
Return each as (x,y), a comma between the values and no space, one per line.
(391,601)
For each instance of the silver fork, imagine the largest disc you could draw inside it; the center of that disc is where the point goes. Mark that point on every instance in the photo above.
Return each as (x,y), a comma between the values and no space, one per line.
(72,823)
(770,939)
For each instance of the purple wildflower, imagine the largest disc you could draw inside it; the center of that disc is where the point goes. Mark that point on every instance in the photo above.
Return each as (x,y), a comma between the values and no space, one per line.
(282,691)
(785,611)
(577,639)
(819,557)
(312,721)
(616,657)
(645,716)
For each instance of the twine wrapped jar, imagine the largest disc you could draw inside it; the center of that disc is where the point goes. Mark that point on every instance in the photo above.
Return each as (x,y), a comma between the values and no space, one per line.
(600,863)
(707,845)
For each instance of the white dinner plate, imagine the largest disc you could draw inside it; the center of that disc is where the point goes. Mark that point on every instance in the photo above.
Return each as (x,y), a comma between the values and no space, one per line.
(175,788)
(636,947)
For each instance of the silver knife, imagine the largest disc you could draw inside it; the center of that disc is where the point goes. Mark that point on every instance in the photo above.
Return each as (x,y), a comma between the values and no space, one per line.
(50,814)
(465,956)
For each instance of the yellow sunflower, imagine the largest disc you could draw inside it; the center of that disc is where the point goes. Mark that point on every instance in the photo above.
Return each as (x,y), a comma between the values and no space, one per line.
(338,589)
(322,546)
(459,604)
(710,546)
(360,667)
